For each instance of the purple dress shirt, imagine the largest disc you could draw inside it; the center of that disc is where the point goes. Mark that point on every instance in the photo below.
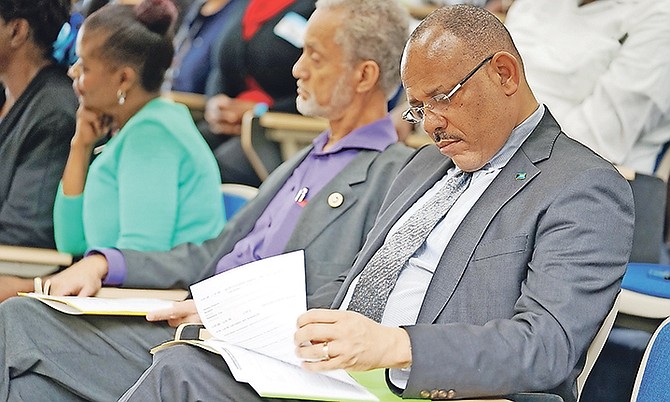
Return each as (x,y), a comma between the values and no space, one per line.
(275,225)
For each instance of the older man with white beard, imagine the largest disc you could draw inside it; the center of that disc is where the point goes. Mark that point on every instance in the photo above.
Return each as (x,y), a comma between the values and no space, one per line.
(328,194)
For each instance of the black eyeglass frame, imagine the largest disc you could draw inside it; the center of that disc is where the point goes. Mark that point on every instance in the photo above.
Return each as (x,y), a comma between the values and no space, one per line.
(415,115)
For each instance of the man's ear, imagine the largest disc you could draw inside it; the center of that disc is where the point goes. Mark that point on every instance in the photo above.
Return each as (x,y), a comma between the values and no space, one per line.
(508,71)
(20,32)
(367,74)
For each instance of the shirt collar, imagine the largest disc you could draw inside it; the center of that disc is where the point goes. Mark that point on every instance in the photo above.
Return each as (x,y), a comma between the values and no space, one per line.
(516,138)
(376,136)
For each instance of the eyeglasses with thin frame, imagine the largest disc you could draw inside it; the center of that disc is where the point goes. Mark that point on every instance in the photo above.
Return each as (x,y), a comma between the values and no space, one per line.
(416,114)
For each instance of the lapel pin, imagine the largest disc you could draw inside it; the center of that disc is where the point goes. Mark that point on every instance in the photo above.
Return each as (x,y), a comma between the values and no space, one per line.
(520,176)
(335,200)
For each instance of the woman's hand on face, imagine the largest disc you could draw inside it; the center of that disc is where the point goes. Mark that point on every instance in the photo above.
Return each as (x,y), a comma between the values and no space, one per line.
(91,127)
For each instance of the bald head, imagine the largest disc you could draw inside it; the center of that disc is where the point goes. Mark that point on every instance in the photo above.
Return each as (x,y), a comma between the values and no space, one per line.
(477,32)
(464,79)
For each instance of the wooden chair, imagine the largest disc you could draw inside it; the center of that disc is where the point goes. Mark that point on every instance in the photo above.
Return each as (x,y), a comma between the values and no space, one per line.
(195,102)
(273,137)
(28,262)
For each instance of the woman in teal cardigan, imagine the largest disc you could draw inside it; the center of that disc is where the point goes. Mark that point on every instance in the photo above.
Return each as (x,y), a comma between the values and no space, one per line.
(155,183)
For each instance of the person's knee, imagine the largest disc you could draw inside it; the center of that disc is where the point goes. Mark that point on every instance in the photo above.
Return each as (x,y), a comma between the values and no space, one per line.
(17,308)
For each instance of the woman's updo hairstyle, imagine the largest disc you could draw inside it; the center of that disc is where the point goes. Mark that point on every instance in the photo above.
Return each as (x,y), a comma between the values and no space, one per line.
(138,35)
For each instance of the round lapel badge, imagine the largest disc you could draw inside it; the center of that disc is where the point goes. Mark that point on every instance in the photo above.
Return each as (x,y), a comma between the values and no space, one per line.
(335,200)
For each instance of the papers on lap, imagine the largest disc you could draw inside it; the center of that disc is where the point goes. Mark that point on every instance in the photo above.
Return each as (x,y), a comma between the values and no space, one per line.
(101,306)
(109,300)
(251,313)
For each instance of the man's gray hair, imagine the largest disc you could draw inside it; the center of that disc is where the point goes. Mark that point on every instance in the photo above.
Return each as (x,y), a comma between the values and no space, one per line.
(373,30)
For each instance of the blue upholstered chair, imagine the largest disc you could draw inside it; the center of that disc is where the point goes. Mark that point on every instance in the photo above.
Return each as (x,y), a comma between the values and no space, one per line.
(234,197)
(645,291)
(653,378)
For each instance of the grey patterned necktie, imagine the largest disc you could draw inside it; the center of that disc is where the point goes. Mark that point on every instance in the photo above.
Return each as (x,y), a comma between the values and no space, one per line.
(380,274)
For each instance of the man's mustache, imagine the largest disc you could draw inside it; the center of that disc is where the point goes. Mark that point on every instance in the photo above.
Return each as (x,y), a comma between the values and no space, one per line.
(440,135)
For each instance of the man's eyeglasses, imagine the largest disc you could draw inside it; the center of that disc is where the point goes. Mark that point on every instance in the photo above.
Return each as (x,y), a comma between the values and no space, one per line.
(415,114)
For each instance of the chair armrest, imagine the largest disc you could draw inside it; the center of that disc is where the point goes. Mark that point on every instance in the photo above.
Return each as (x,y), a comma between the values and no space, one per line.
(29,262)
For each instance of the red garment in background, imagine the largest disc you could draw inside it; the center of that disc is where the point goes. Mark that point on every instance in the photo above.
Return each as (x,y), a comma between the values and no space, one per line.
(257,13)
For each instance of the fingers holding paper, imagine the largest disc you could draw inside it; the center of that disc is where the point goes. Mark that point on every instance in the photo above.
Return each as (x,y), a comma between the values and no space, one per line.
(334,339)
(180,313)
(81,279)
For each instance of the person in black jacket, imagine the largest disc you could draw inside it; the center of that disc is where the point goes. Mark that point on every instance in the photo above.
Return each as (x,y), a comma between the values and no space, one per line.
(255,57)
(35,132)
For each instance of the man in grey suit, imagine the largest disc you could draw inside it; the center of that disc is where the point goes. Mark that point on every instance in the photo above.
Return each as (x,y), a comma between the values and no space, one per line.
(324,201)
(506,292)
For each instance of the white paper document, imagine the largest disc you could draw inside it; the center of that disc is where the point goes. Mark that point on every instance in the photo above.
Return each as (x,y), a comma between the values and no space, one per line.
(101,306)
(251,312)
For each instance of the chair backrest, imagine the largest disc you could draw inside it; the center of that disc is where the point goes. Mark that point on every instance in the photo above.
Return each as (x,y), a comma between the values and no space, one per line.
(271,138)
(649,195)
(234,196)
(597,346)
(195,102)
(653,378)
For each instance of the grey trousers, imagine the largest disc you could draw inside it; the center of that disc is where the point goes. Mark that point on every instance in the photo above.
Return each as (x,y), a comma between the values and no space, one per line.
(51,356)
(187,373)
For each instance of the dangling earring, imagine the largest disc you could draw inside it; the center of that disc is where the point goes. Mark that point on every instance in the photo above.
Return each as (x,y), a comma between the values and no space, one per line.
(121,96)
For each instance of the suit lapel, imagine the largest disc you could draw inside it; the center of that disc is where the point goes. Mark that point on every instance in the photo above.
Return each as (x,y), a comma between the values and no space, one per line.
(319,214)
(243,222)
(512,179)
(430,161)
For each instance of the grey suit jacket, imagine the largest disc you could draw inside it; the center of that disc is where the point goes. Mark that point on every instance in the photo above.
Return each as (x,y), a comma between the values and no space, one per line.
(331,237)
(528,277)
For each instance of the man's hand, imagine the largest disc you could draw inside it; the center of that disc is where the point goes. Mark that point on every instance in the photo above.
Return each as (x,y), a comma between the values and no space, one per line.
(351,340)
(224,114)
(82,279)
(180,313)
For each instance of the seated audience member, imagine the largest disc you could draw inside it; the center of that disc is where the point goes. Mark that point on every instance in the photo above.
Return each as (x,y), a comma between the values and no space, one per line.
(485,248)
(204,22)
(599,66)
(36,124)
(348,69)
(155,184)
(253,62)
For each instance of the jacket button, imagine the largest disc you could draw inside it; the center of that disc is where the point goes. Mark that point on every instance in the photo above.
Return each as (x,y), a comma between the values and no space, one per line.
(442,394)
(424,393)
(434,394)
(451,394)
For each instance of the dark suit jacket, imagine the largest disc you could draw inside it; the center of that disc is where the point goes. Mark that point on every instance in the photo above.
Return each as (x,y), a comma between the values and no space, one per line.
(34,144)
(331,237)
(529,275)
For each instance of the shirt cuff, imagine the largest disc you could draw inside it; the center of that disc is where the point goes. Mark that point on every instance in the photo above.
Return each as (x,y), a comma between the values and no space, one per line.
(116,265)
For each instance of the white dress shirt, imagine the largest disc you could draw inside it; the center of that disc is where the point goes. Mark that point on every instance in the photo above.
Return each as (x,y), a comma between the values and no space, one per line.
(603,69)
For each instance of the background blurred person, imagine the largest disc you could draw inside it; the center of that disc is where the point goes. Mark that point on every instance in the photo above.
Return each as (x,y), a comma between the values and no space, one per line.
(253,65)
(36,124)
(602,69)
(204,22)
(155,184)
